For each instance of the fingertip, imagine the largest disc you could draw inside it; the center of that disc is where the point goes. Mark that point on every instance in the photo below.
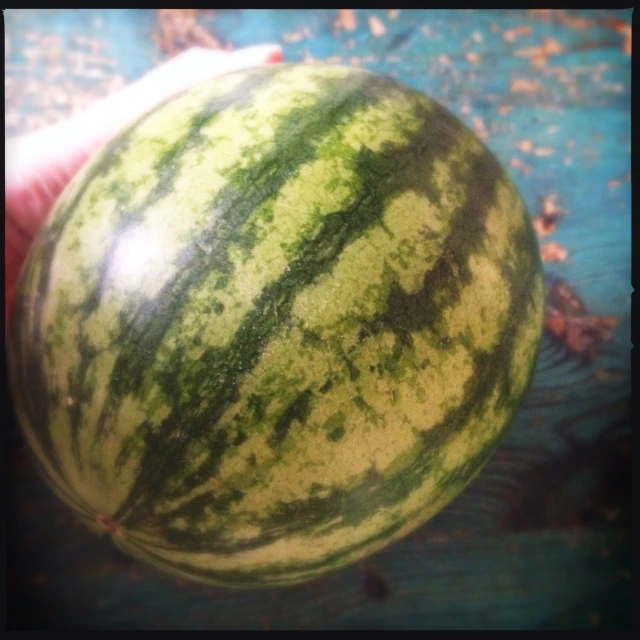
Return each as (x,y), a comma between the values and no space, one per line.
(274,57)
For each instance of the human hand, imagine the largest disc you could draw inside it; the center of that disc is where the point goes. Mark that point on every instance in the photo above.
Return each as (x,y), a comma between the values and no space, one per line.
(39,165)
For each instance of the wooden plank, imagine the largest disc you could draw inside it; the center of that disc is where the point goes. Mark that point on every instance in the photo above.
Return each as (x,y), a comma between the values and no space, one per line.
(541,538)
(543,579)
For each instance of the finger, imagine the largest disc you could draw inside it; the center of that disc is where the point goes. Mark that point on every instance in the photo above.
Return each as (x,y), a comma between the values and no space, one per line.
(197,65)
(38,166)
(70,142)
(182,72)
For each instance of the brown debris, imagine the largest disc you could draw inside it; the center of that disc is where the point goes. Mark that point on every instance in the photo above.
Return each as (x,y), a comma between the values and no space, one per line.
(296,36)
(494,28)
(346,19)
(472,57)
(393,13)
(546,221)
(518,164)
(553,252)
(562,16)
(376,26)
(443,59)
(177,30)
(544,14)
(525,146)
(543,151)
(503,109)
(58,78)
(606,374)
(573,21)
(510,35)
(479,128)
(567,321)
(551,47)
(614,183)
(623,29)
(542,228)
(576,22)
(519,85)
(539,55)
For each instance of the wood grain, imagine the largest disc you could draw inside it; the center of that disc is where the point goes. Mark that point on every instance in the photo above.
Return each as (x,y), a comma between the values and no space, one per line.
(541,539)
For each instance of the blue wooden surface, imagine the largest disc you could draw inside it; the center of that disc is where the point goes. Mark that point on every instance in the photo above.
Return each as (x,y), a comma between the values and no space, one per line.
(542,538)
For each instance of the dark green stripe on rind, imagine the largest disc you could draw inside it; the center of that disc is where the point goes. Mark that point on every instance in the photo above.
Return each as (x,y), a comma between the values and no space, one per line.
(282,574)
(404,314)
(357,504)
(167,165)
(24,348)
(141,338)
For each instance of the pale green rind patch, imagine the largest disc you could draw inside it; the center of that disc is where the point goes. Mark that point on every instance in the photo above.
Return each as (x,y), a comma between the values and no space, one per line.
(486,423)
(484,303)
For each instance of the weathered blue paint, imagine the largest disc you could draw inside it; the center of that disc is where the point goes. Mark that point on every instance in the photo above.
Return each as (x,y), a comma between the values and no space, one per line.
(481,563)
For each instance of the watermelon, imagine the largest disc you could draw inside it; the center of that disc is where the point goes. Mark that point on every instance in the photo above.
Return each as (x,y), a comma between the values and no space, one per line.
(276,324)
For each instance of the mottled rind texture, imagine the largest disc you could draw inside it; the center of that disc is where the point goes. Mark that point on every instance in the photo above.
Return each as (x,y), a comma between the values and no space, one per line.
(276,324)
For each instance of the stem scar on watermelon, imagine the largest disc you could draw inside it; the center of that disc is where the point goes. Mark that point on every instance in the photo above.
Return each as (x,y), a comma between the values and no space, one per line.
(109,525)
(332,371)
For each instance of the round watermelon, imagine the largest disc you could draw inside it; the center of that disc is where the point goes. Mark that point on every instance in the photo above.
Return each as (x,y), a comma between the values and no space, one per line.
(276,324)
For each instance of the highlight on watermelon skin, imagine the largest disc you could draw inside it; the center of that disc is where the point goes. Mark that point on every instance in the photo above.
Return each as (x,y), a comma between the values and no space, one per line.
(39,165)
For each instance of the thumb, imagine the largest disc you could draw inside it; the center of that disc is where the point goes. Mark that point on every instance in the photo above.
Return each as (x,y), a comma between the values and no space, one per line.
(39,165)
